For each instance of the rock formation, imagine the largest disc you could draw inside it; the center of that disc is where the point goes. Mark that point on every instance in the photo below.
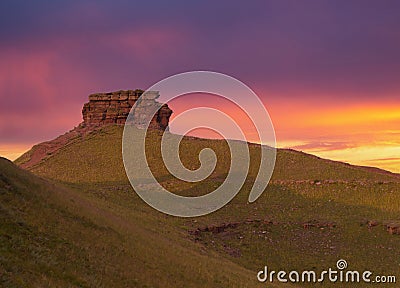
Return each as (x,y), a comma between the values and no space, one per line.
(114,107)
(104,109)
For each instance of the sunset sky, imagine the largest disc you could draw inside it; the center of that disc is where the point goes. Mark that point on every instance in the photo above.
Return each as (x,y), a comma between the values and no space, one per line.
(327,71)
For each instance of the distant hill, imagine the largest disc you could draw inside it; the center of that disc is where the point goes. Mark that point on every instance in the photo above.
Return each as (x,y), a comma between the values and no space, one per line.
(91,152)
(96,156)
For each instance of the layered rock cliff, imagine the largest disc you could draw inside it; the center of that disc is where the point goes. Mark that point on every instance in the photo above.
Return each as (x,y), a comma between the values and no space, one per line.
(114,107)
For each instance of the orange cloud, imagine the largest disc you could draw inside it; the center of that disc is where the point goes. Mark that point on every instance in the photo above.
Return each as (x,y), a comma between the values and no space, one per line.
(323,146)
(359,134)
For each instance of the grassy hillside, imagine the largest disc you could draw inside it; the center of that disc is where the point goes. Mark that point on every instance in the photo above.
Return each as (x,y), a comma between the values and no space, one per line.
(97,158)
(52,236)
(313,213)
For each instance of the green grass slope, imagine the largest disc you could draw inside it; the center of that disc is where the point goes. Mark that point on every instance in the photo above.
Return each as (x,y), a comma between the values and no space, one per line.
(97,158)
(53,236)
(314,212)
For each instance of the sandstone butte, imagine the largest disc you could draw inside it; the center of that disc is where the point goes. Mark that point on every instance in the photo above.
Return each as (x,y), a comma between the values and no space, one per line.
(103,109)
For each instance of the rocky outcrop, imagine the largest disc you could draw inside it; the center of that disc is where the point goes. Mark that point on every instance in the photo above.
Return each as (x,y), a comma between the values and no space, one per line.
(393,228)
(104,109)
(114,107)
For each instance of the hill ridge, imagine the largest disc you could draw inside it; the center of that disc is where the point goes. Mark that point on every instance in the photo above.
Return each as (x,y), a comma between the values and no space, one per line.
(103,145)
